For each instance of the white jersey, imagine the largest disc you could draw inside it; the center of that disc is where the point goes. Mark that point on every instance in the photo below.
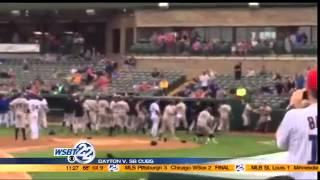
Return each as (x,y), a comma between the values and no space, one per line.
(35,106)
(247,110)
(181,108)
(154,110)
(20,108)
(298,133)
(169,111)
(204,118)
(44,107)
(19,105)
(103,105)
(90,105)
(123,107)
(224,111)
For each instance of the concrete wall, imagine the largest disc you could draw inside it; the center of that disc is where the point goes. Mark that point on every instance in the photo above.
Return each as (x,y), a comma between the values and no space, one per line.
(227,17)
(192,67)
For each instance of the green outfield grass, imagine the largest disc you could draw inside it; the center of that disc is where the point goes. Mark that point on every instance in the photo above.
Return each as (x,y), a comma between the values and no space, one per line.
(229,146)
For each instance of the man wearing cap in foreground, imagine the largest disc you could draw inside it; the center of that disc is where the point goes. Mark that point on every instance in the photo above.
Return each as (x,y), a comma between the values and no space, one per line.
(298,131)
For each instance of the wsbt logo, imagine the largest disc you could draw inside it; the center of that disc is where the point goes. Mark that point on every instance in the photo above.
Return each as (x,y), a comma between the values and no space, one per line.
(83,152)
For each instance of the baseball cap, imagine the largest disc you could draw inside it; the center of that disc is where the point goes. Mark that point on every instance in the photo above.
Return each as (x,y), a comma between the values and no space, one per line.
(312,79)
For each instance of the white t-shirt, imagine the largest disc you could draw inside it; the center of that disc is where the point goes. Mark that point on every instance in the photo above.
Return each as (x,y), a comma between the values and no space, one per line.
(204,80)
(154,110)
(298,133)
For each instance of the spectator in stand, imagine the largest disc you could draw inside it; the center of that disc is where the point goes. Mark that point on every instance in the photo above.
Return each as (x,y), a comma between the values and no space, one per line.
(199,94)
(263,70)
(90,74)
(238,71)
(164,85)
(109,67)
(76,78)
(251,72)
(276,76)
(279,86)
(212,88)
(204,80)
(233,49)
(212,74)
(196,46)
(221,94)
(130,62)
(155,73)
(25,65)
(289,85)
(102,82)
(299,81)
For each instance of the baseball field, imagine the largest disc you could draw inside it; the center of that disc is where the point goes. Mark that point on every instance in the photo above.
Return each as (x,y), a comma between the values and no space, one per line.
(232,145)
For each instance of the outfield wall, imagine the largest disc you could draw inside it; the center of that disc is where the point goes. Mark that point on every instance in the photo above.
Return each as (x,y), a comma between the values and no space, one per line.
(193,66)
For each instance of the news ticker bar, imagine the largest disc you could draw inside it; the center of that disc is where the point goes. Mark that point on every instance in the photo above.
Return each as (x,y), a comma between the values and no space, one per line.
(214,168)
(112,160)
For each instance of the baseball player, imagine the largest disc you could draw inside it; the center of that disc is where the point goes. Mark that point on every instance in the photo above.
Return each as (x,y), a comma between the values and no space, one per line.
(181,115)
(35,105)
(265,116)
(123,115)
(205,127)
(141,121)
(224,120)
(78,121)
(43,113)
(91,108)
(155,118)
(68,112)
(246,116)
(168,120)
(298,131)
(20,108)
(103,120)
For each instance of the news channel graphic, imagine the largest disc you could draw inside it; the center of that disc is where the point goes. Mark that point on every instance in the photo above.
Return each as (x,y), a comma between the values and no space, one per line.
(83,152)
(82,158)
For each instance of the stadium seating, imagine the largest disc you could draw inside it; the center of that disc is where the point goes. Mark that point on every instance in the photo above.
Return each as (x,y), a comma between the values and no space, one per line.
(123,84)
(253,84)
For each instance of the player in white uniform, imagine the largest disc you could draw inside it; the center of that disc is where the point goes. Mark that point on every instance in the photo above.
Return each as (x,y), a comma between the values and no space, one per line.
(91,108)
(224,120)
(155,118)
(246,116)
(43,113)
(20,108)
(168,120)
(181,115)
(206,125)
(265,117)
(141,121)
(103,118)
(123,115)
(298,131)
(35,105)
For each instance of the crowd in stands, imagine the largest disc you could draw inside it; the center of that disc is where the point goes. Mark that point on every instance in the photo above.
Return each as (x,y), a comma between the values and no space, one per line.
(184,43)
(206,86)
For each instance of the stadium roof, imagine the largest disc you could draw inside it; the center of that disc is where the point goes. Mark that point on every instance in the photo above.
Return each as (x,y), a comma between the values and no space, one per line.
(49,6)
